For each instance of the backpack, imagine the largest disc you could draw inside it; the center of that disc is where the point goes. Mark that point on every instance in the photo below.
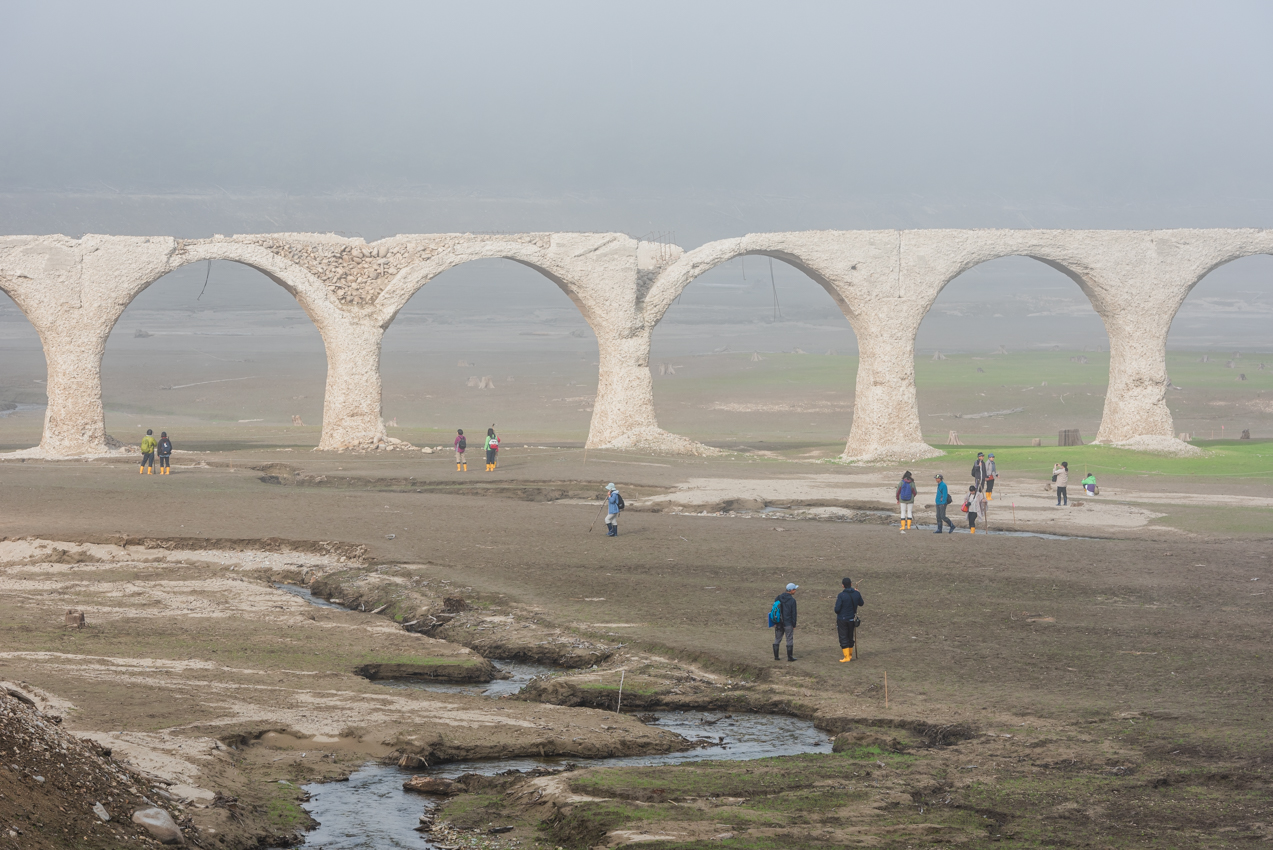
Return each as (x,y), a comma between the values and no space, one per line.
(464,443)
(775,614)
(618,500)
(495,444)
(907,491)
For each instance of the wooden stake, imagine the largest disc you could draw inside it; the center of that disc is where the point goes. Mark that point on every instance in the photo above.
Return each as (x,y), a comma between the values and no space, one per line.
(886,689)
(617,705)
(1014,513)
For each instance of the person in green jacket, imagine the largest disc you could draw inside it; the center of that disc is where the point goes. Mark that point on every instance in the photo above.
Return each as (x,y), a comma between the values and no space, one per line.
(492,447)
(148,444)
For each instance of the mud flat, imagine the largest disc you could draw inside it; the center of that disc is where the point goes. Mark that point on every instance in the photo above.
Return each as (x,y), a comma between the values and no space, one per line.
(194,669)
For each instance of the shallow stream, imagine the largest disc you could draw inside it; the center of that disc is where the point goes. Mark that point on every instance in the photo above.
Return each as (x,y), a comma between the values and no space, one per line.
(372,811)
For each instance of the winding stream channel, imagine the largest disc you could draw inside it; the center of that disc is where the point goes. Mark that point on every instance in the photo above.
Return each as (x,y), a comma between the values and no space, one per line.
(371,811)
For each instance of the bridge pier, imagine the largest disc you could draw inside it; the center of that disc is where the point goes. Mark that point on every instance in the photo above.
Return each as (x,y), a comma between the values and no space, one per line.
(352,400)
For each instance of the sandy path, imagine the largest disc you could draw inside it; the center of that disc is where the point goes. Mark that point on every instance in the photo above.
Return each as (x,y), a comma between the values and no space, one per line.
(1115,508)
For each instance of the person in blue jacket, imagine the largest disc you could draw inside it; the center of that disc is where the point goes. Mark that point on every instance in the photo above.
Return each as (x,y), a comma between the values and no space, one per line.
(846,615)
(943,499)
(614,504)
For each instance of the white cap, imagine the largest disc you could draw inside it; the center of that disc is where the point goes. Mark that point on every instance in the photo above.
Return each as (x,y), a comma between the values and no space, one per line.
(610,486)
(793,587)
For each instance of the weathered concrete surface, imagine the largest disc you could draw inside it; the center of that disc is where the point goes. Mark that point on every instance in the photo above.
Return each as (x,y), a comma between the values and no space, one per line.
(74,292)
(884,281)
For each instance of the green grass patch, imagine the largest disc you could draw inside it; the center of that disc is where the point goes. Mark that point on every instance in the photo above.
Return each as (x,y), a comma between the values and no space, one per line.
(759,777)
(1248,460)
(283,808)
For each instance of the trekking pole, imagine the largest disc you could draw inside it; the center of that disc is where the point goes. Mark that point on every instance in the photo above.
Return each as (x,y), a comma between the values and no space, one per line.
(595,518)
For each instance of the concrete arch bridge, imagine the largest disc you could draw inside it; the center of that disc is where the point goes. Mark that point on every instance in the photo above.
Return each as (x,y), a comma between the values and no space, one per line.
(75,290)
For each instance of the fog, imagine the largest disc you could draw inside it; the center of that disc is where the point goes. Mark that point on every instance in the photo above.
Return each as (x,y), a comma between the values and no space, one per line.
(706,120)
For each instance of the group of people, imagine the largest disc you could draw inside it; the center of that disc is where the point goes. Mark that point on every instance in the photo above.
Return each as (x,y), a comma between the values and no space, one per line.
(782,616)
(461,446)
(1061,478)
(150,448)
(980,492)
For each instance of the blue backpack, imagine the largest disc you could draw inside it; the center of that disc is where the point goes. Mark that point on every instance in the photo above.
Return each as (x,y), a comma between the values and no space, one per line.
(906,491)
(775,614)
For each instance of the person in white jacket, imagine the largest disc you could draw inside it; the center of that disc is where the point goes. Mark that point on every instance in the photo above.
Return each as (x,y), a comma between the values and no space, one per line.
(1061,475)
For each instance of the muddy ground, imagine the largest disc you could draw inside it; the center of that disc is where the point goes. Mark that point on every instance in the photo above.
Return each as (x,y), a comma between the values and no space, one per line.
(1130,668)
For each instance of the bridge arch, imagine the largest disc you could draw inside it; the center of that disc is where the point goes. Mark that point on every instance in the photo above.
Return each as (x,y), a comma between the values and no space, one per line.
(677,277)
(247,350)
(1017,361)
(1219,358)
(496,318)
(747,369)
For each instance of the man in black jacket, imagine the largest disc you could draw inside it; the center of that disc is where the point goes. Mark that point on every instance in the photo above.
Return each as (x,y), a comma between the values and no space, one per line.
(979,472)
(846,614)
(787,622)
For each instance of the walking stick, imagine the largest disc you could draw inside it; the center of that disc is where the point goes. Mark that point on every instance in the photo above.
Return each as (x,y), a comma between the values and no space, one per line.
(595,518)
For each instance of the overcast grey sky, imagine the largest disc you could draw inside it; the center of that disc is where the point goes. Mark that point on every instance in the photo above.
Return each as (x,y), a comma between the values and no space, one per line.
(709,119)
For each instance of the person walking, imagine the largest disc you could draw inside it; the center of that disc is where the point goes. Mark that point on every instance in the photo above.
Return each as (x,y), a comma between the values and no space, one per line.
(164,450)
(461,443)
(492,446)
(979,472)
(1061,475)
(786,621)
(614,504)
(846,615)
(905,495)
(991,474)
(148,444)
(974,505)
(943,502)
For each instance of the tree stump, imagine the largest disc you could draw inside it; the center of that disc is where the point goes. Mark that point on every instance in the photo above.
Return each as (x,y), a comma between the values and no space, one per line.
(1069,437)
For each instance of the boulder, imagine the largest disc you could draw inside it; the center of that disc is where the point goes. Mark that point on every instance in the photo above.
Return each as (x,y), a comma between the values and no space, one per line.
(159,824)
(431,785)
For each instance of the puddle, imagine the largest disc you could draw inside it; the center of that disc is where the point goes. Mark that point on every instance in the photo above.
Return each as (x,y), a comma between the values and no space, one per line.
(785,512)
(6,410)
(303,593)
(372,811)
(521,675)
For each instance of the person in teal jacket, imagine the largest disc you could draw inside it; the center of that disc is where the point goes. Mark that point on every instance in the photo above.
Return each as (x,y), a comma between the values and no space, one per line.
(943,499)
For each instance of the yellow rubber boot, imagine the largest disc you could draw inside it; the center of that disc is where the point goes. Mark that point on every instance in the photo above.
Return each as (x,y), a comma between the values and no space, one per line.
(150,471)
(990,497)
(972,531)
(141,470)
(457,467)
(466,466)
(848,655)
